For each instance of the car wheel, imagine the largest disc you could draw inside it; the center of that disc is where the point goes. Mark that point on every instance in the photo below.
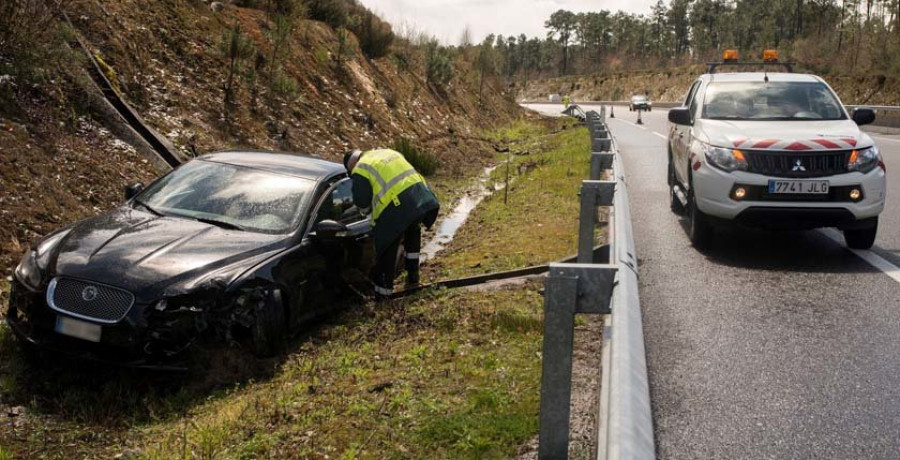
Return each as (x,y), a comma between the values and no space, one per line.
(269,326)
(700,231)
(862,238)
(674,202)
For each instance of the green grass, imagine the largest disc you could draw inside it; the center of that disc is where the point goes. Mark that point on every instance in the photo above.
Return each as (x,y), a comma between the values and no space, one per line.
(539,221)
(443,375)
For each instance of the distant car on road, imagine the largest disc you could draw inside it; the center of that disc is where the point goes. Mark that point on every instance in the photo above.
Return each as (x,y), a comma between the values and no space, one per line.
(236,246)
(773,150)
(640,102)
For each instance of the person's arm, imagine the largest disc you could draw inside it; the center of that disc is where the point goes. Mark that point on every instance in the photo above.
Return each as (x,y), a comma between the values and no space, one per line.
(362,194)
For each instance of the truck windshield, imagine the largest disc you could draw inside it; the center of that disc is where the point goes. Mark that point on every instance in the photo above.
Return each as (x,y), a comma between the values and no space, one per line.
(771,101)
(233,196)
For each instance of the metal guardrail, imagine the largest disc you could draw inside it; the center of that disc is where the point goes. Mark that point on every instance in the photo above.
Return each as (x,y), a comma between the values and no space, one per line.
(599,283)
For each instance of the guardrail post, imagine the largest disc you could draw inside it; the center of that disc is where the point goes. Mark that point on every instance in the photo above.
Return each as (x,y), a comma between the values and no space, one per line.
(600,161)
(593,193)
(560,296)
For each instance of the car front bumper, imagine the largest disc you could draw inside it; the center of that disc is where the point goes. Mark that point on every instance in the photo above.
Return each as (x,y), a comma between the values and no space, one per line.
(714,187)
(138,340)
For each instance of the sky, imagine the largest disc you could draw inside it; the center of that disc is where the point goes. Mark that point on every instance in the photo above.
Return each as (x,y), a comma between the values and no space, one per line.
(446,19)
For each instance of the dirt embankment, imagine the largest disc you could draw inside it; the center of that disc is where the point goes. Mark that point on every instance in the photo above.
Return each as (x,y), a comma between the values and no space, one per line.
(671,86)
(59,158)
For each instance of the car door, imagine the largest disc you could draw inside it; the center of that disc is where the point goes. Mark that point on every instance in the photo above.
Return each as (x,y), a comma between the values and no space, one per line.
(681,136)
(354,251)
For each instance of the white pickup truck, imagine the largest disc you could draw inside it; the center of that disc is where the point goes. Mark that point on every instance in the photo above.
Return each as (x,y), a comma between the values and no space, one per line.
(773,150)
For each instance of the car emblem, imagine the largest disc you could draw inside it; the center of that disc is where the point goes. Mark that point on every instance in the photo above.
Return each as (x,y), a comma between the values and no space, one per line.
(798,166)
(89,293)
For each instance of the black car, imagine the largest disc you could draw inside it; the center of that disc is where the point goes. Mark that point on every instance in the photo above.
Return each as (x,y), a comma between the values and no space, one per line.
(640,102)
(242,247)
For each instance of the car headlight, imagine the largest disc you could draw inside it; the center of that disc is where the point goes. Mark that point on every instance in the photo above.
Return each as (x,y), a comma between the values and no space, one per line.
(864,160)
(725,159)
(28,272)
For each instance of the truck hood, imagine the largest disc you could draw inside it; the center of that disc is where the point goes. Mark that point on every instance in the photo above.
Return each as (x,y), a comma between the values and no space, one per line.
(782,135)
(147,254)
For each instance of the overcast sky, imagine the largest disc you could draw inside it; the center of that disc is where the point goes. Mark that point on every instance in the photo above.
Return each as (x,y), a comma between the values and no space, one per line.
(446,19)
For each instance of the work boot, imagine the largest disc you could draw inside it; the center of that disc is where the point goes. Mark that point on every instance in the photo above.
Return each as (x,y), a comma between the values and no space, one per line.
(412,269)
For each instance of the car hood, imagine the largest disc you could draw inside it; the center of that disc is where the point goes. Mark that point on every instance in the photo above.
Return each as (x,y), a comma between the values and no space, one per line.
(147,254)
(783,135)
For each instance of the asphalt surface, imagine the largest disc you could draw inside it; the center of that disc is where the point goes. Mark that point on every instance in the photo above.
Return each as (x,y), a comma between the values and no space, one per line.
(768,345)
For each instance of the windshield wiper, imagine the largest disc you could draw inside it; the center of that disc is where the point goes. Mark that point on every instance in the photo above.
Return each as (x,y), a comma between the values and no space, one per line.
(148,208)
(221,224)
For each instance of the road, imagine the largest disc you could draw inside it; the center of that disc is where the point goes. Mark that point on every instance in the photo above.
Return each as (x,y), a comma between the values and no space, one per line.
(768,345)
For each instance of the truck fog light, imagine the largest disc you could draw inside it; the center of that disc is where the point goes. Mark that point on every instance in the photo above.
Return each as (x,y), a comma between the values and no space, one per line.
(740,193)
(855,194)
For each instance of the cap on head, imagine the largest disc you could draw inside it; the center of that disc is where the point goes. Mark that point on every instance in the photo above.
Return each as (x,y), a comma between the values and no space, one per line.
(351,158)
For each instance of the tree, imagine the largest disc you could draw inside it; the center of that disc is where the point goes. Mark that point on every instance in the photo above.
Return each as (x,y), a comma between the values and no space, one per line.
(236,47)
(561,24)
(485,63)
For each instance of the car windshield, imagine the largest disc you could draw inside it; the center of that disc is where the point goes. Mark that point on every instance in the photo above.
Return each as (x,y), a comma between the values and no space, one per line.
(771,101)
(229,196)
(639,99)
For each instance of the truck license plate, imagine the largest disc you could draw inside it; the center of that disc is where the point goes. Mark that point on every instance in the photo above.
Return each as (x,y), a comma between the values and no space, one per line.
(78,329)
(798,187)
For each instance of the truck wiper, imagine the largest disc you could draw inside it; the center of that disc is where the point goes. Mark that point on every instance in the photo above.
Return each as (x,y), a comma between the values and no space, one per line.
(221,224)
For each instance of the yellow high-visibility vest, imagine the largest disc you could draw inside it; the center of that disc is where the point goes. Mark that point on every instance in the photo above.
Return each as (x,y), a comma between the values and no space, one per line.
(389,174)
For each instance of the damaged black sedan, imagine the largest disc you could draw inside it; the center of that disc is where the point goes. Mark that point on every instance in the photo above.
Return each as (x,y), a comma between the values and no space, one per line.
(240,247)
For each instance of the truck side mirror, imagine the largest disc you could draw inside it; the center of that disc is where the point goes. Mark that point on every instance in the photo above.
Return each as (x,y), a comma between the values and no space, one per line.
(680,116)
(132,190)
(863,116)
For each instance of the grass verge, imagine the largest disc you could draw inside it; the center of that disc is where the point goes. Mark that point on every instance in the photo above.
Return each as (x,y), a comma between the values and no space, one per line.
(442,375)
(537,220)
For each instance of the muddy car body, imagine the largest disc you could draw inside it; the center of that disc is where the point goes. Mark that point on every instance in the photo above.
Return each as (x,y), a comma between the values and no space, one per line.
(235,246)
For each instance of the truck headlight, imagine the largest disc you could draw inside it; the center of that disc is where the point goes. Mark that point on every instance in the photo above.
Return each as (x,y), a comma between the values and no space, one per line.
(725,159)
(864,160)
(28,272)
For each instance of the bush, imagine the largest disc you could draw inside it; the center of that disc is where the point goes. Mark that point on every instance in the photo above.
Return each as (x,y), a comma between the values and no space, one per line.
(331,12)
(30,38)
(375,36)
(424,162)
(438,64)
(284,85)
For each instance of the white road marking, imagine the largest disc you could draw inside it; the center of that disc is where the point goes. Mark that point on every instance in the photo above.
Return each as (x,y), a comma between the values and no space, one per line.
(628,122)
(872,258)
(660,135)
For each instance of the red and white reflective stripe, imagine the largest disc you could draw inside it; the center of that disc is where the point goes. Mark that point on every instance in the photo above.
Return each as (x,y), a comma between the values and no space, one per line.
(843,143)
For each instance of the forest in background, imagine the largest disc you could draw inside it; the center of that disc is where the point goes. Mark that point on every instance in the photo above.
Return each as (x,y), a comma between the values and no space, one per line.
(823,36)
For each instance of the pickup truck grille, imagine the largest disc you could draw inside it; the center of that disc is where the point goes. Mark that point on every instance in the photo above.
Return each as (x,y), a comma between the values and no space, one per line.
(798,164)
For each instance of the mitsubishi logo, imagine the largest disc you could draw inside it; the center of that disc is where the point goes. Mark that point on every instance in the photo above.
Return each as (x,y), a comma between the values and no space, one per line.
(798,166)
(89,293)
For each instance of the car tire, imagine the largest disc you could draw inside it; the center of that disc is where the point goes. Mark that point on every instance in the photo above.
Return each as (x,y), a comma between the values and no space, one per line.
(700,231)
(861,238)
(269,329)
(674,202)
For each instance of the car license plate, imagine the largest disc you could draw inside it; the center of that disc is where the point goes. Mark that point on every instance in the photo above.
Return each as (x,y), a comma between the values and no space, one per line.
(78,329)
(798,187)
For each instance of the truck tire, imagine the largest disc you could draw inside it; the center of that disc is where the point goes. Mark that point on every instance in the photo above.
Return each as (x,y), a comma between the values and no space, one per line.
(861,238)
(700,231)
(269,329)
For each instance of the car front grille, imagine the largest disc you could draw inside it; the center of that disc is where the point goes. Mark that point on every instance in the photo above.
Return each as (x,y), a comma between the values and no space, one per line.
(87,300)
(798,164)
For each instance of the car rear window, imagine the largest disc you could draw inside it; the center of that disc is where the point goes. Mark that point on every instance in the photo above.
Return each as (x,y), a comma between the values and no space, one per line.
(771,101)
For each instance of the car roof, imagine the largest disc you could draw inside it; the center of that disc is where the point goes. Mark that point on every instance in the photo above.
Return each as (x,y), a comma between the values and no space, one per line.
(760,76)
(291,164)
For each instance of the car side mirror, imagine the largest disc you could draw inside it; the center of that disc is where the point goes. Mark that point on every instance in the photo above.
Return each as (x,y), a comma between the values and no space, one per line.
(329,230)
(132,190)
(680,116)
(863,116)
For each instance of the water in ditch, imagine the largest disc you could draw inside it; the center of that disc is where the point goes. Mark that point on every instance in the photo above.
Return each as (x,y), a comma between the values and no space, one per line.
(449,225)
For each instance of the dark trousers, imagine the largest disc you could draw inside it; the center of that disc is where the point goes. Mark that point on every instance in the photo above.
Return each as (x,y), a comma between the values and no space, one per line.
(386,265)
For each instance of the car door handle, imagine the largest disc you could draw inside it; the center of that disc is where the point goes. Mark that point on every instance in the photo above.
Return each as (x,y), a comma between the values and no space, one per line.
(681,135)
